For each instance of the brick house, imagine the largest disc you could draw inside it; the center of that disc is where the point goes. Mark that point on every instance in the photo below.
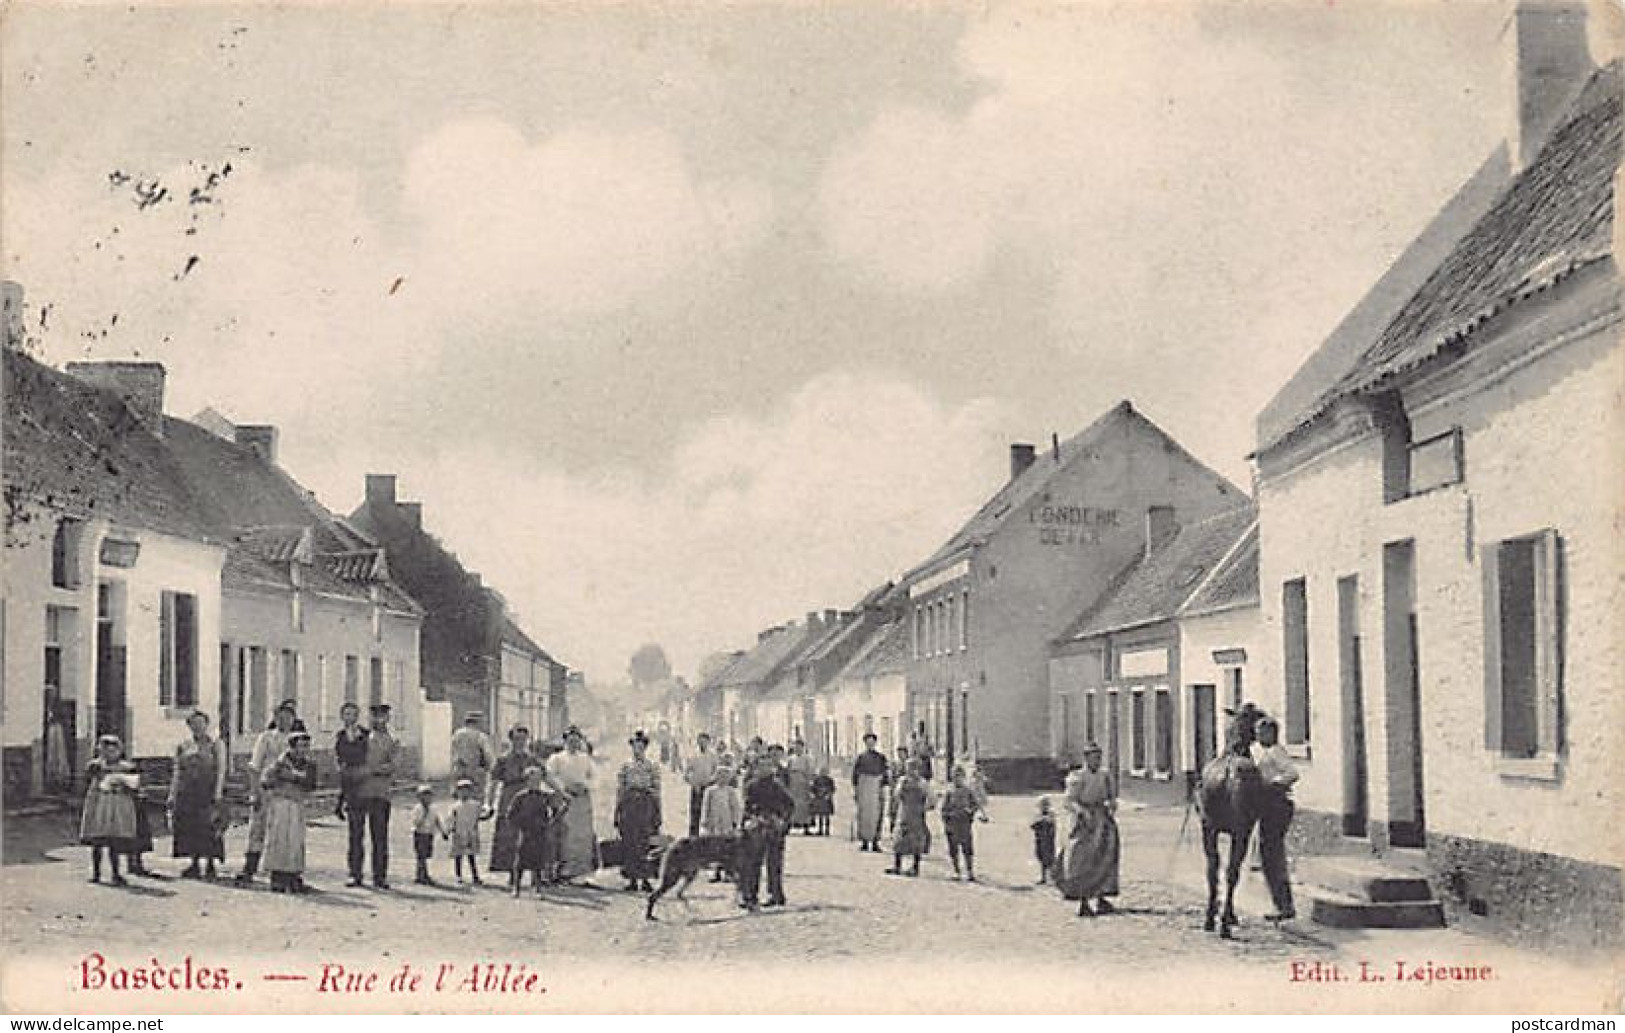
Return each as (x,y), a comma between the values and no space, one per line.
(985,608)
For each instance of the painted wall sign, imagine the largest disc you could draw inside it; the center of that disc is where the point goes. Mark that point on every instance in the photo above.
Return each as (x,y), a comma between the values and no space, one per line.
(1068,524)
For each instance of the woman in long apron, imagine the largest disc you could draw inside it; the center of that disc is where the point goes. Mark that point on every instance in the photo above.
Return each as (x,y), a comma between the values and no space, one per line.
(637,814)
(1088,866)
(286,785)
(194,798)
(799,772)
(572,772)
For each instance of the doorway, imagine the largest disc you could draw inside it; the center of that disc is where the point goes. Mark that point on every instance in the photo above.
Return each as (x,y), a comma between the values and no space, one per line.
(1356,804)
(1407,826)
(1204,725)
(112,714)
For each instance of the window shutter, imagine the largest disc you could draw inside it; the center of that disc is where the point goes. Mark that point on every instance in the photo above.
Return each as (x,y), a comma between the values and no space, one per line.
(1489,562)
(166,649)
(1548,638)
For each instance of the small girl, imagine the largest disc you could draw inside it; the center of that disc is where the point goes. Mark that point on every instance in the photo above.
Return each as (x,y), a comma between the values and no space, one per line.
(465,830)
(722,810)
(1044,838)
(426,824)
(108,820)
(823,800)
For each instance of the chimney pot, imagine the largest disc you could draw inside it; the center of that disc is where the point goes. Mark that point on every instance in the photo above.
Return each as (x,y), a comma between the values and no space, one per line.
(259,437)
(139,384)
(381,489)
(1551,61)
(1021,457)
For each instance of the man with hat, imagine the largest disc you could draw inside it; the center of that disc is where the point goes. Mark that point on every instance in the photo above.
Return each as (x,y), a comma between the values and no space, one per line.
(268,749)
(368,807)
(472,754)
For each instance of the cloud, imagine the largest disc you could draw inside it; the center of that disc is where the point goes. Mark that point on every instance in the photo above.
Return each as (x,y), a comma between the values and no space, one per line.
(755,520)
(581,220)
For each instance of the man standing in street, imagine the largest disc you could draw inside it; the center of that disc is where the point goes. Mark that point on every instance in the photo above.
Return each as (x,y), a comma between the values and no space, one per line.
(472,755)
(869,778)
(699,773)
(350,751)
(369,814)
(1278,773)
(768,806)
(268,749)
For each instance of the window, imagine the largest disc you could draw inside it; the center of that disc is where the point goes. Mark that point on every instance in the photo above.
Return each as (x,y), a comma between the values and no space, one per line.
(65,553)
(1136,726)
(919,634)
(397,681)
(1233,687)
(887,742)
(1295,630)
(1436,462)
(1089,717)
(375,681)
(177,650)
(964,720)
(950,628)
(352,679)
(964,620)
(1523,661)
(1163,755)
(321,690)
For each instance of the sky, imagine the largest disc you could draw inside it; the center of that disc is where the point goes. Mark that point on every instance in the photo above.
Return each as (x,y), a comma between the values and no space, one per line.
(682,321)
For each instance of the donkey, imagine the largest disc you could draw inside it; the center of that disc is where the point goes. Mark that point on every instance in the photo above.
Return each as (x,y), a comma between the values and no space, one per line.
(1228,802)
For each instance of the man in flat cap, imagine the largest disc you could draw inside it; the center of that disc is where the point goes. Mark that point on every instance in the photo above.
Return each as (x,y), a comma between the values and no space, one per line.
(369,811)
(268,748)
(472,755)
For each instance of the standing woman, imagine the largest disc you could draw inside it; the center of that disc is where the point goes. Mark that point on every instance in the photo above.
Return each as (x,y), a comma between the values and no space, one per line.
(869,778)
(637,813)
(1088,867)
(285,786)
(912,838)
(194,798)
(508,780)
(799,769)
(571,771)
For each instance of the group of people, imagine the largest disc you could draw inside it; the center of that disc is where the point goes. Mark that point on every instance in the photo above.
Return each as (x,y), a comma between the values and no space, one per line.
(540,800)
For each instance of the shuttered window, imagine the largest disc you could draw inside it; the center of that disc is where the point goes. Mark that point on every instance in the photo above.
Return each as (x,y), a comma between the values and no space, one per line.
(1523,645)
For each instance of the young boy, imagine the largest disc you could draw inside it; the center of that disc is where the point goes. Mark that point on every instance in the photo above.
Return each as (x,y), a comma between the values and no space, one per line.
(534,813)
(426,824)
(464,830)
(1043,827)
(961,805)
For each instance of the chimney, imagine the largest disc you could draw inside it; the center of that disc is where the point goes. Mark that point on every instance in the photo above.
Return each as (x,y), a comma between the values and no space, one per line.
(380,489)
(1021,457)
(1550,62)
(11,313)
(812,620)
(413,513)
(831,617)
(1160,527)
(1055,446)
(139,384)
(259,437)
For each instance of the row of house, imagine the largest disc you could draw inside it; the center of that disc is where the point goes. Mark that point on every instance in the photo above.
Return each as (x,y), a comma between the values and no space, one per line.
(1426,590)
(154,566)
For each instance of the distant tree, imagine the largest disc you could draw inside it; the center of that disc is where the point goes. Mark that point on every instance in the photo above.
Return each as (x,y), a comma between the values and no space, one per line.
(649,666)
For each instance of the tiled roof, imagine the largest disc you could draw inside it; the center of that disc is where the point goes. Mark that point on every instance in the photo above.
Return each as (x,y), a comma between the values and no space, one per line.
(514,635)
(1159,586)
(763,661)
(1016,493)
(279,544)
(360,566)
(1234,584)
(241,487)
(80,450)
(885,653)
(1556,218)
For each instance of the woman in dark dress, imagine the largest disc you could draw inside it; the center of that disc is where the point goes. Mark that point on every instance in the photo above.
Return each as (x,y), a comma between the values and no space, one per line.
(637,814)
(194,798)
(508,779)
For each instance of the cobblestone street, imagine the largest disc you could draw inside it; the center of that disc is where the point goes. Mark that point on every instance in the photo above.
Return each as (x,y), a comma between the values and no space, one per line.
(842,908)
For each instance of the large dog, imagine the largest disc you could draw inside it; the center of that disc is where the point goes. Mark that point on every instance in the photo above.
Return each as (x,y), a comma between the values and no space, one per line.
(682,862)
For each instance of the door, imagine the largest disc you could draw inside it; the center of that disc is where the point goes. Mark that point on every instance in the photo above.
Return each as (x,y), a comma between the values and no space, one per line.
(110,698)
(1407,825)
(1356,803)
